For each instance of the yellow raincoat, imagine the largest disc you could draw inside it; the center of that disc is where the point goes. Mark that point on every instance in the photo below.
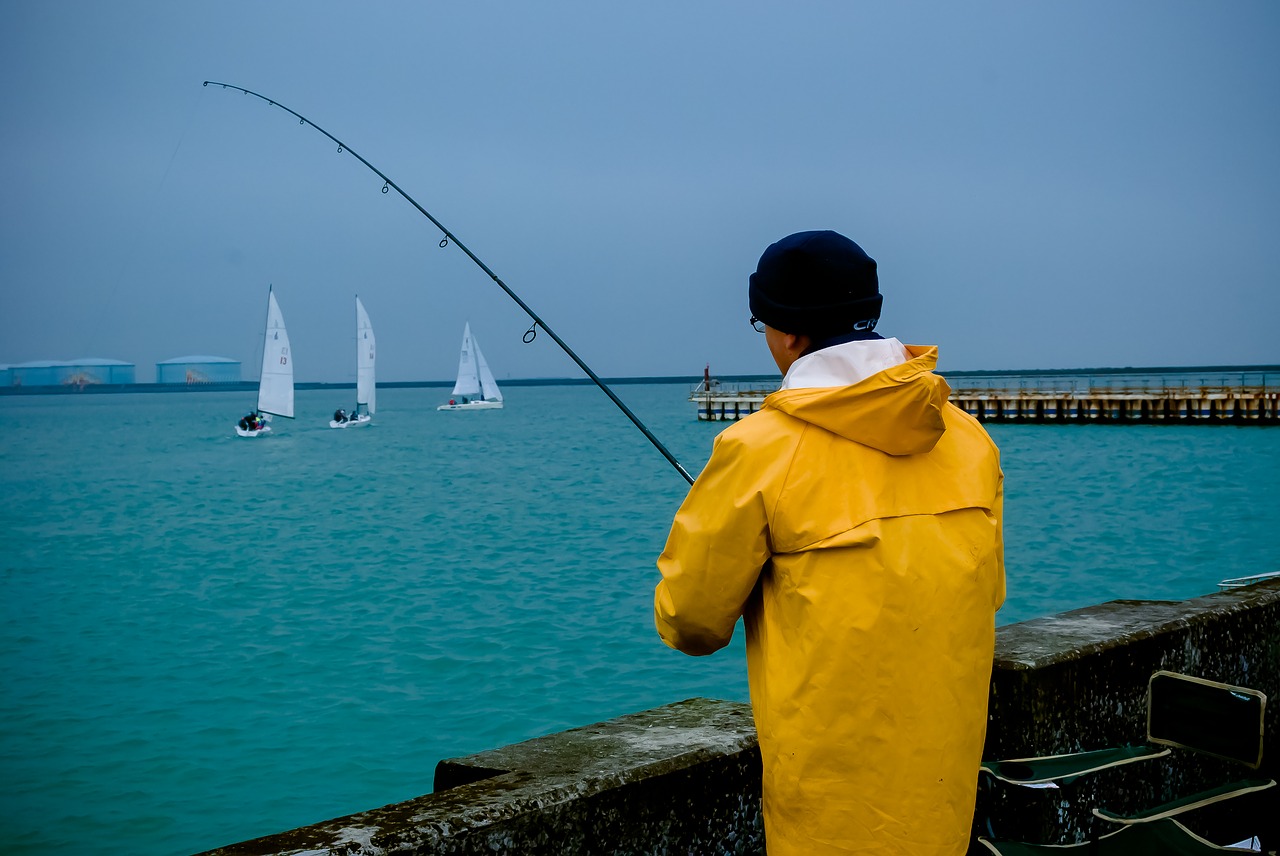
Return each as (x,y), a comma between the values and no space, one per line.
(857,529)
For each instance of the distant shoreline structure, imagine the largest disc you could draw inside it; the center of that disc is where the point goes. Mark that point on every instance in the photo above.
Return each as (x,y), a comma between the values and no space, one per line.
(690,380)
(1165,395)
(238,386)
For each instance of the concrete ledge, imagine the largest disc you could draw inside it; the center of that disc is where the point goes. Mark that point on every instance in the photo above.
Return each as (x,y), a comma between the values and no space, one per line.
(1078,679)
(680,778)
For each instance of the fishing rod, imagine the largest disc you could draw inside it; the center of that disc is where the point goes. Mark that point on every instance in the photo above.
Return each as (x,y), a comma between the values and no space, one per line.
(449,237)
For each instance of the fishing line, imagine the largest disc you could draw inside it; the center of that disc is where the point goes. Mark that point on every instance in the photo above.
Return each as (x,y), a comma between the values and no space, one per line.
(449,237)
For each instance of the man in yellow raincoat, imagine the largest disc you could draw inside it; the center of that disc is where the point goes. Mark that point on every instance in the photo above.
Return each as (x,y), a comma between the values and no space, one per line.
(855,524)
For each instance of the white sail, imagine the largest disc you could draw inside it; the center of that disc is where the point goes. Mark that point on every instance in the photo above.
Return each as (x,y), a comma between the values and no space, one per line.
(366,388)
(488,386)
(468,383)
(475,387)
(275,386)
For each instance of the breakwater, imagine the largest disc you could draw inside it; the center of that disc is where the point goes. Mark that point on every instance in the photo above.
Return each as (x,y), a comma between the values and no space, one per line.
(1237,395)
(686,778)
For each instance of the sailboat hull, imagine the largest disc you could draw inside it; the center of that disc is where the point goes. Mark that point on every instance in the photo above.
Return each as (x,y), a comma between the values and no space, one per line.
(353,422)
(473,405)
(265,429)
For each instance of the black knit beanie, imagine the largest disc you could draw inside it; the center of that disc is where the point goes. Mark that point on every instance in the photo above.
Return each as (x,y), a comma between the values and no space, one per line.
(816,284)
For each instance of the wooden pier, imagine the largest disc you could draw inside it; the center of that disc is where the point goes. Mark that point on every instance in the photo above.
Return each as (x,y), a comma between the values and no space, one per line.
(719,400)
(1233,395)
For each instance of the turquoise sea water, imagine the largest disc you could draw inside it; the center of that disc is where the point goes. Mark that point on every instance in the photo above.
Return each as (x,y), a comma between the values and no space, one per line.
(207,639)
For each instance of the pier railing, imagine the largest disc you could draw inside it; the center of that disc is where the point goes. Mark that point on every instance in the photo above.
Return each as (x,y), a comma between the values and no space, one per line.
(1248,395)
(1128,383)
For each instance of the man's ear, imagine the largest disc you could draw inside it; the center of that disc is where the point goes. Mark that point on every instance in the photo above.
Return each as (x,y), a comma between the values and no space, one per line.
(796,343)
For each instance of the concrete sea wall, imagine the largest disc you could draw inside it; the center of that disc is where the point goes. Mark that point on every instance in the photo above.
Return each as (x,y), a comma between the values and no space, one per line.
(685,778)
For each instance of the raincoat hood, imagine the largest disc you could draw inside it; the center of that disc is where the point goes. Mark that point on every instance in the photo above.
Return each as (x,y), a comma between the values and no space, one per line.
(897,411)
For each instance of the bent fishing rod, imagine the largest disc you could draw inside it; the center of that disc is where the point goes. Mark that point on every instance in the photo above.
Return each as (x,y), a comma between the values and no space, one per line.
(448,238)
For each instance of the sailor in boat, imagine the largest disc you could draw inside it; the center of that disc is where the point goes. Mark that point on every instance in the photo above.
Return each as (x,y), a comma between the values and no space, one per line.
(339,415)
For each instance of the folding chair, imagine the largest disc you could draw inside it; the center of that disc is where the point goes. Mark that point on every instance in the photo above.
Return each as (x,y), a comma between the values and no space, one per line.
(1183,712)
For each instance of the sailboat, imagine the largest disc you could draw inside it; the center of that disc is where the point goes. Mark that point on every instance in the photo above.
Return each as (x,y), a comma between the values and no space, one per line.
(475,389)
(275,383)
(366,389)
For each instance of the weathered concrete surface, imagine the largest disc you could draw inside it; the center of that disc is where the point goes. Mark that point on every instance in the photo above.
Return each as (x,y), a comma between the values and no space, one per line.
(1078,681)
(684,778)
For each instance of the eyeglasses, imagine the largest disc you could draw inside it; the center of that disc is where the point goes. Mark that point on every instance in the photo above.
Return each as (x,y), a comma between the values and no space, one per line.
(757,324)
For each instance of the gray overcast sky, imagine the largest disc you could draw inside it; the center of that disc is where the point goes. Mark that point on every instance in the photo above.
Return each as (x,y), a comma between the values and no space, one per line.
(1044,185)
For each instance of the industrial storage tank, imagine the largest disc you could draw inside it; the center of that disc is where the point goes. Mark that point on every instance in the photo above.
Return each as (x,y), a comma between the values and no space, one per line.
(83,372)
(198,369)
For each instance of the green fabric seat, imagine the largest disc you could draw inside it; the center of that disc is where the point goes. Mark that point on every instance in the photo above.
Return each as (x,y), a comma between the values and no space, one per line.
(1158,838)
(1064,769)
(1199,800)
